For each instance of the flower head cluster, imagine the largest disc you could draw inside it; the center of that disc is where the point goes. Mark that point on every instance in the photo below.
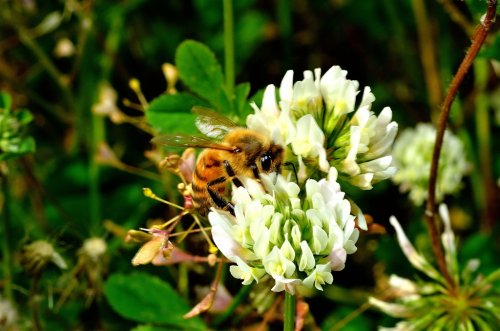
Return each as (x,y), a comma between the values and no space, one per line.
(38,254)
(413,155)
(297,237)
(471,303)
(318,120)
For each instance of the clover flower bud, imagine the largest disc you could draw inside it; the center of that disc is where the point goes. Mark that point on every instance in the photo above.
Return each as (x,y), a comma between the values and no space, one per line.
(38,254)
(8,315)
(93,248)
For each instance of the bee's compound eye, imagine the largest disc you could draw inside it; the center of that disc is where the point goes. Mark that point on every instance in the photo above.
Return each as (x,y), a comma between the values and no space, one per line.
(265,161)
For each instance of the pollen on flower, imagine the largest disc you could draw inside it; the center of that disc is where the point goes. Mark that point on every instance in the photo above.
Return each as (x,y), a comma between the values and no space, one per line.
(135,85)
(148,193)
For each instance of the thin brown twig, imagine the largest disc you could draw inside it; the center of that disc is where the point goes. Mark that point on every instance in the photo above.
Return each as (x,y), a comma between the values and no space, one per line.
(477,41)
(428,56)
(457,16)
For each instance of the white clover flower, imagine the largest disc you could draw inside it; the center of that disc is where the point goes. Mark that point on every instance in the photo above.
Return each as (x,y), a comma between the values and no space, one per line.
(275,231)
(413,155)
(353,140)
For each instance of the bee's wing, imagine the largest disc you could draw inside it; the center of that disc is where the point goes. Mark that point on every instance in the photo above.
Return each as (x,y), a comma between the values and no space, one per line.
(212,124)
(180,140)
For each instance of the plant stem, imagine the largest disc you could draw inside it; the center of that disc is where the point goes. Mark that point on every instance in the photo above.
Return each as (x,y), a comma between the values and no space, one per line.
(112,43)
(47,64)
(229,47)
(477,42)
(6,253)
(457,16)
(289,317)
(94,174)
(487,184)
(428,56)
(35,307)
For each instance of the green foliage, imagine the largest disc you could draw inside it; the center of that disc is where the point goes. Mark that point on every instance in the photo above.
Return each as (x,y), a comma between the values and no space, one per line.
(172,113)
(200,71)
(13,140)
(202,75)
(144,298)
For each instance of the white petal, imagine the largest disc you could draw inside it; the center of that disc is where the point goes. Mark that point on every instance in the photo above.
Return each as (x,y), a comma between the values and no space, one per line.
(222,235)
(269,104)
(417,260)
(307,261)
(337,259)
(286,87)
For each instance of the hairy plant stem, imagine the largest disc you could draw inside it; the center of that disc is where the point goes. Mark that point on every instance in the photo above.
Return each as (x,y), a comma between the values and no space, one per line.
(6,252)
(229,47)
(289,318)
(477,41)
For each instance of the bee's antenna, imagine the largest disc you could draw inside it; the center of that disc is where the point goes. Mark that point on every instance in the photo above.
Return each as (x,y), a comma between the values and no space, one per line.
(290,164)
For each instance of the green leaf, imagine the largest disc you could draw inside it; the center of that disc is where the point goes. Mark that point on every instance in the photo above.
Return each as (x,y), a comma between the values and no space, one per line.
(241,103)
(16,147)
(5,101)
(23,116)
(202,73)
(147,299)
(171,113)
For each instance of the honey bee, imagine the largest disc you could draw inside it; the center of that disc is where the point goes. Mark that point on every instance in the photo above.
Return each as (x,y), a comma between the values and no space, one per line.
(230,151)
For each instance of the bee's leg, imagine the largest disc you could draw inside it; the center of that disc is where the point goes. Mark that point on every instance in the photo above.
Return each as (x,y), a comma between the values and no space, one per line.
(231,174)
(217,199)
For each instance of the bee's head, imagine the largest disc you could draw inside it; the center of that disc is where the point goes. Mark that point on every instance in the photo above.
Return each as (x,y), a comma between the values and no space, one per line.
(271,159)
(254,152)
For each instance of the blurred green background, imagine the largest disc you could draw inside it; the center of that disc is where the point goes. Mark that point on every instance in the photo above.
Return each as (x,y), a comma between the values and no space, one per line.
(55,58)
